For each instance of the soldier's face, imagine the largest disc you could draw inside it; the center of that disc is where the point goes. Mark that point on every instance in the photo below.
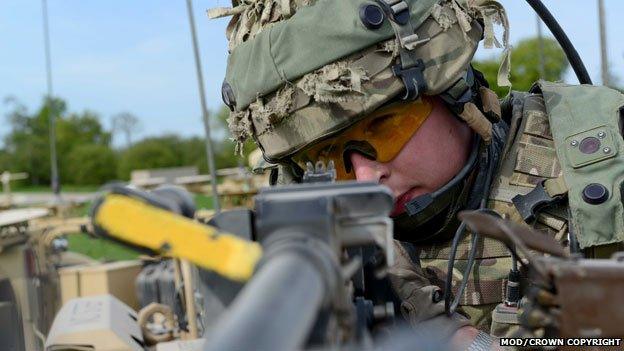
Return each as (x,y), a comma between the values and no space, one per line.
(432,156)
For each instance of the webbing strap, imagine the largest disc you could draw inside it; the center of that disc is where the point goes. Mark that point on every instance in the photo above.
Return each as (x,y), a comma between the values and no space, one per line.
(491,104)
(556,186)
(477,121)
(403,29)
(482,342)
(410,68)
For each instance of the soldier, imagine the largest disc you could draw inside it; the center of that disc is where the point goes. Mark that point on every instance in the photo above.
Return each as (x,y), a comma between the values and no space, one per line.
(386,91)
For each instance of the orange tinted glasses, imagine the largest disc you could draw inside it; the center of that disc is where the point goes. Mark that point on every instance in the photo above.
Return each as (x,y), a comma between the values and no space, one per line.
(379,136)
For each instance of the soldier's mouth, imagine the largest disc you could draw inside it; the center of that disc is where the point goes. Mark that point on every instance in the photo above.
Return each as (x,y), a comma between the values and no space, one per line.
(401,200)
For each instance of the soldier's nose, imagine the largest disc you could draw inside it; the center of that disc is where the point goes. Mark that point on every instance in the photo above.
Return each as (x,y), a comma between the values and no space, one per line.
(368,170)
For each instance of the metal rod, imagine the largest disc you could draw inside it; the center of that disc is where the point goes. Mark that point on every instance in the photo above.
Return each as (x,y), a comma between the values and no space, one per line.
(540,48)
(604,56)
(189,293)
(55,178)
(275,310)
(573,57)
(202,99)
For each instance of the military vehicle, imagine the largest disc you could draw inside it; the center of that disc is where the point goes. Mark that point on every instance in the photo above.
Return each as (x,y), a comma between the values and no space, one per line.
(6,178)
(38,275)
(32,250)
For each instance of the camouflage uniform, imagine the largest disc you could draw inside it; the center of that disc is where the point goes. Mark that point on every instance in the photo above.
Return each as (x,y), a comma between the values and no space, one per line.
(528,157)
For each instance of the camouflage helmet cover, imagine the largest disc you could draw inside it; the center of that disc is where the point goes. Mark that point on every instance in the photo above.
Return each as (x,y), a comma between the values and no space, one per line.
(300,70)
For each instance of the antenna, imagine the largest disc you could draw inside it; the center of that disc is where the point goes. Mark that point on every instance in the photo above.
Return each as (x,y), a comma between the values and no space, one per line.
(202,99)
(604,56)
(55,179)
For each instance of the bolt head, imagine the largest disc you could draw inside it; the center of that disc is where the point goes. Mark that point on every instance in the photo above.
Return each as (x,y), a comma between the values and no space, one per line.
(601,135)
(574,143)
(606,150)
(372,16)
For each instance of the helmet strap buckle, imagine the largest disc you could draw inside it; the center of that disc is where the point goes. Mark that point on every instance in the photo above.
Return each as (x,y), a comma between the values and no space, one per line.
(413,78)
(410,68)
(460,93)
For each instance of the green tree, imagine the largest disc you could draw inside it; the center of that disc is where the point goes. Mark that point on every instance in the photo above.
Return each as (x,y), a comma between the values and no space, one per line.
(84,147)
(26,146)
(175,151)
(78,137)
(152,152)
(28,143)
(91,164)
(525,65)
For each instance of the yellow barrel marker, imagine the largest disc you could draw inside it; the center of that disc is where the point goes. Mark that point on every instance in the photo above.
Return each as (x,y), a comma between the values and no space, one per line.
(139,223)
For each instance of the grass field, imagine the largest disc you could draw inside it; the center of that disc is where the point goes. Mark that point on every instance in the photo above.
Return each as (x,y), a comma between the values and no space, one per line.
(106,250)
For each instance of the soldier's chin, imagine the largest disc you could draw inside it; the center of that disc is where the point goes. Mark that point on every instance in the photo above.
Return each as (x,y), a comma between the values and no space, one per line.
(398,209)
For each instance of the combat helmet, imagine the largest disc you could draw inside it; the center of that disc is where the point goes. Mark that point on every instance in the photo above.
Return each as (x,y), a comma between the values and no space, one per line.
(302,71)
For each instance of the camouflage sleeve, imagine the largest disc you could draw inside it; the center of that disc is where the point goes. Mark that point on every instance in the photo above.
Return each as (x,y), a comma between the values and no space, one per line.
(421,301)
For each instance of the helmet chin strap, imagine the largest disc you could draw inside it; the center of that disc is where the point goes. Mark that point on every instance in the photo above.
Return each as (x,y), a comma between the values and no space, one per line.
(428,217)
(424,207)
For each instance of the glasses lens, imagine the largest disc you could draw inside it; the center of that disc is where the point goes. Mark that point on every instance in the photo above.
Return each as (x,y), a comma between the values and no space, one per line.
(383,133)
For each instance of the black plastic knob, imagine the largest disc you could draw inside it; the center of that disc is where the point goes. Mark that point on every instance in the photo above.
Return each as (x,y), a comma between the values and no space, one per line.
(595,194)
(372,16)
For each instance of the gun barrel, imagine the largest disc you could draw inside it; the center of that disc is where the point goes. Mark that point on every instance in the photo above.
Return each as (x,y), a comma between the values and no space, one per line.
(276,309)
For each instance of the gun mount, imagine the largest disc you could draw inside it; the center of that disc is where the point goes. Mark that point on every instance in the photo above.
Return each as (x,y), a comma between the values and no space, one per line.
(305,230)
(320,244)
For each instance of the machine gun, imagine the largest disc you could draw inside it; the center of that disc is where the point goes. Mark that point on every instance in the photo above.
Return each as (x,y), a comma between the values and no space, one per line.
(311,256)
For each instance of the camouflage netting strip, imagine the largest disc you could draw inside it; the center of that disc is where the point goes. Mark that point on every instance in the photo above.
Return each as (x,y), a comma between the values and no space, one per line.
(241,128)
(274,110)
(337,82)
(494,13)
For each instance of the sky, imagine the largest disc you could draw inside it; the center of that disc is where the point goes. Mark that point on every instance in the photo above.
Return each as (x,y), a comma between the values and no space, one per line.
(136,56)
